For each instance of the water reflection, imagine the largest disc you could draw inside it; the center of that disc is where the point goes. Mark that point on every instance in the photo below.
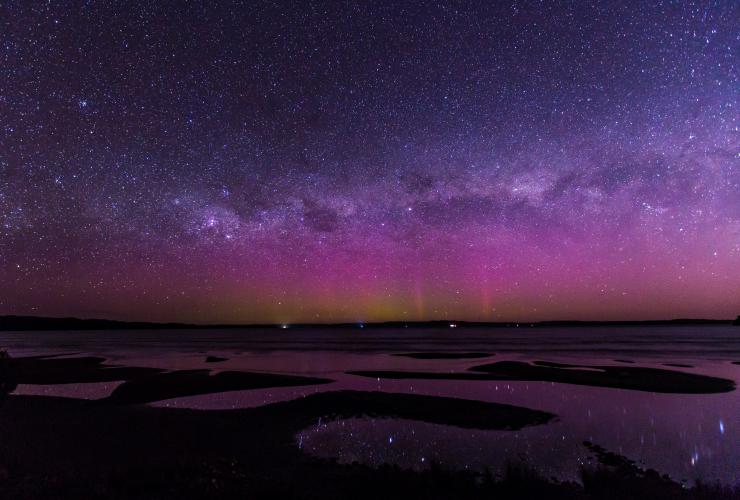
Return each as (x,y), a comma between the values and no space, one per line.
(688,436)
(685,436)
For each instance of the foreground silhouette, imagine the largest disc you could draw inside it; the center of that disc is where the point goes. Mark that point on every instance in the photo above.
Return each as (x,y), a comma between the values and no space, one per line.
(57,448)
(619,377)
(69,448)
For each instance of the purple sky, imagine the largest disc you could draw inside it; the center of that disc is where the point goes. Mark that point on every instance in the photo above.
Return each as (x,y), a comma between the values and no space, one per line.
(363,161)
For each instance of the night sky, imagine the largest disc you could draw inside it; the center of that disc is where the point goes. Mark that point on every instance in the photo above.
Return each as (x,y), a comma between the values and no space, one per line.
(358,161)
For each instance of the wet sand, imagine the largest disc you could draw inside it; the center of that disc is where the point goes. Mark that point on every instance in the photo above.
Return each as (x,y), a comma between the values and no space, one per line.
(618,377)
(445,355)
(195,382)
(119,448)
(70,370)
(66,448)
(69,444)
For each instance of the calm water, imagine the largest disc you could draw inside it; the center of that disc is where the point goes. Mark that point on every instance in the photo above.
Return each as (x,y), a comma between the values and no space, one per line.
(686,436)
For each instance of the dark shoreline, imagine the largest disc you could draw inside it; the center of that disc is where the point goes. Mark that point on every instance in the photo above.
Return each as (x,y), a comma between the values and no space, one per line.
(616,377)
(117,448)
(36,323)
(66,448)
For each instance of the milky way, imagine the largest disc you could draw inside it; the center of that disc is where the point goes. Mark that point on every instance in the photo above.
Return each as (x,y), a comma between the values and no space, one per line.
(360,161)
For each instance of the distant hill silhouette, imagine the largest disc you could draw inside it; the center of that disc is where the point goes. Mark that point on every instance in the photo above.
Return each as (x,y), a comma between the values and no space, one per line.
(737,321)
(31,323)
(41,323)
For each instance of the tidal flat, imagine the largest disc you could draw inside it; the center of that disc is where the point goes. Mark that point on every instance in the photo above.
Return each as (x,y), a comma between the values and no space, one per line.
(466,414)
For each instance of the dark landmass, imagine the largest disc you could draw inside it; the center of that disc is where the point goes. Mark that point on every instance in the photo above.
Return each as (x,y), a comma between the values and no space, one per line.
(25,323)
(621,377)
(140,385)
(410,375)
(215,359)
(49,370)
(35,323)
(620,477)
(737,321)
(195,382)
(444,355)
(8,378)
(64,448)
(618,377)
(624,361)
(465,413)
(67,449)
(678,365)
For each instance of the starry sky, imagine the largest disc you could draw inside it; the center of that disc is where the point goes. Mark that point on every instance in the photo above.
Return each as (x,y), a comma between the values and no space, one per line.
(360,161)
